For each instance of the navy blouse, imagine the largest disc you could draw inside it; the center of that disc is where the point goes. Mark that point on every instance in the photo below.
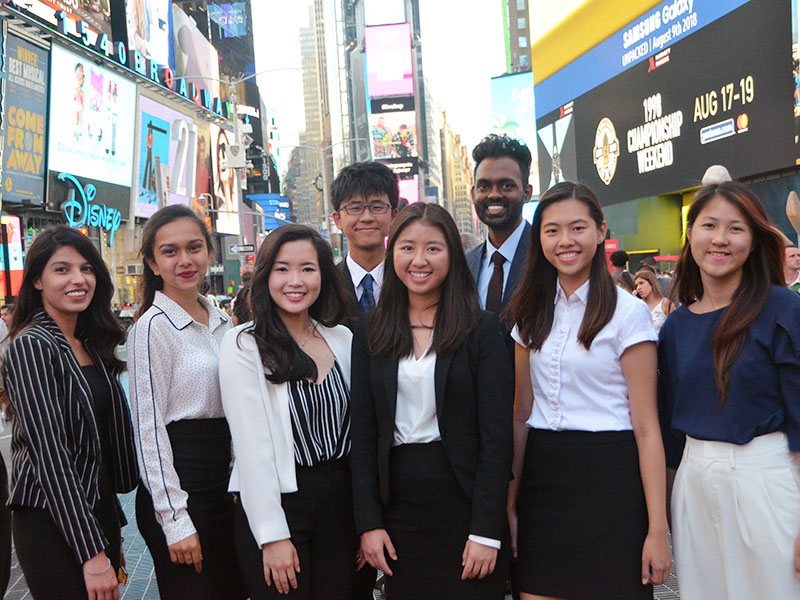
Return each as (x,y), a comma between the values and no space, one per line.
(764,391)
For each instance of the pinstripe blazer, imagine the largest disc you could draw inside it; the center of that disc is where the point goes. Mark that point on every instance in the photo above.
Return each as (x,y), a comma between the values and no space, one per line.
(55,446)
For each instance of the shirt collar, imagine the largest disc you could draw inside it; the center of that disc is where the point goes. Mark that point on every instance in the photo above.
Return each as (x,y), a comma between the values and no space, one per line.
(582,293)
(357,272)
(180,319)
(508,248)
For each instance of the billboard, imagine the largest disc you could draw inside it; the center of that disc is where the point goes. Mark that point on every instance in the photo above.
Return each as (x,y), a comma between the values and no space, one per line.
(514,113)
(194,57)
(147,23)
(394,135)
(90,129)
(172,137)
(389,63)
(664,115)
(380,12)
(26,117)
(96,13)
(407,171)
(15,260)
(230,16)
(226,191)
(202,200)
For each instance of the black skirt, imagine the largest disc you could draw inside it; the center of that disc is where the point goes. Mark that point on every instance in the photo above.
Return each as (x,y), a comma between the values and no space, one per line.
(582,516)
(201,450)
(428,520)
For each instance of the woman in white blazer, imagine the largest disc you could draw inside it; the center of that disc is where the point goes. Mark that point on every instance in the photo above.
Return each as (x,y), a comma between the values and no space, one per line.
(285,380)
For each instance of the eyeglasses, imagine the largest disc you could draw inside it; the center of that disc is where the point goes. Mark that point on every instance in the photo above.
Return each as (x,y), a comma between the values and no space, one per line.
(356,208)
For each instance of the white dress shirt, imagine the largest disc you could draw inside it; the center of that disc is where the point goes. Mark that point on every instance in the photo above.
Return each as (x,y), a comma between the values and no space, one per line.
(357,273)
(415,420)
(507,249)
(259,415)
(173,362)
(579,389)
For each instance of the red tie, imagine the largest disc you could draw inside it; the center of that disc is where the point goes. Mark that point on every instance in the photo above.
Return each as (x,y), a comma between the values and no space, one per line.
(494,297)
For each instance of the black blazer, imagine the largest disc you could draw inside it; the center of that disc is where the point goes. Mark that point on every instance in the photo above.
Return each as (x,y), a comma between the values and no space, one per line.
(474,404)
(355,307)
(55,444)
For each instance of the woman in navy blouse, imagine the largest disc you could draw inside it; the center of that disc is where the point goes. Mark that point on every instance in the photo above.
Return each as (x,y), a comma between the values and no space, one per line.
(729,379)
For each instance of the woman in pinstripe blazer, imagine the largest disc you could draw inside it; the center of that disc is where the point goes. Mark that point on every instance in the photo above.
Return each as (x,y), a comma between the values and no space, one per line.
(72,440)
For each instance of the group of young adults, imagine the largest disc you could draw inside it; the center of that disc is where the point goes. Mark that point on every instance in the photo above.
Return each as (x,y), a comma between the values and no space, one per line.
(436,415)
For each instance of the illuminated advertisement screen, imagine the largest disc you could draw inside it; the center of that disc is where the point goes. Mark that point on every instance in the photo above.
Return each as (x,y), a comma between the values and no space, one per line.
(407,171)
(91,132)
(226,192)
(96,13)
(666,114)
(202,199)
(172,137)
(380,12)
(194,57)
(26,122)
(514,113)
(230,16)
(389,64)
(148,28)
(394,135)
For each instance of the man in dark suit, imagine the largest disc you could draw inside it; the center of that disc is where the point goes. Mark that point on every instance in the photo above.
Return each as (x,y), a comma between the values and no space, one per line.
(365,197)
(501,188)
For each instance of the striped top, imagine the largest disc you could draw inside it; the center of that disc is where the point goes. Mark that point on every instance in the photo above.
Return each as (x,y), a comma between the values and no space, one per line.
(320,419)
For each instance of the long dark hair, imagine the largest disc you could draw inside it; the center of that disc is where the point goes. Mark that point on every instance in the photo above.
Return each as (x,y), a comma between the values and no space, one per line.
(150,281)
(763,267)
(458,312)
(282,357)
(97,325)
(532,305)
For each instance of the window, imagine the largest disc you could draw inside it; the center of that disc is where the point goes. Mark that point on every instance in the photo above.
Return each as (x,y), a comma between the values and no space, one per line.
(521,23)
(523,60)
(523,41)
(521,4)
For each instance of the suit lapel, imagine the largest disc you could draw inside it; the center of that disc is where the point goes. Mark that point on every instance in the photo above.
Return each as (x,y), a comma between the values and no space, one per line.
(390,383)
(474,259)
(517,264)
(440,378)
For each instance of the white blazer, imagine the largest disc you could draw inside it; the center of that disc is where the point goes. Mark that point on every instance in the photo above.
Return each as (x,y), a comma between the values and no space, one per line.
(261,428)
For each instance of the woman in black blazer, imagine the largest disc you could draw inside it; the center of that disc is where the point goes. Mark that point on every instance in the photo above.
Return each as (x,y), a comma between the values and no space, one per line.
(72,439)
(432,395)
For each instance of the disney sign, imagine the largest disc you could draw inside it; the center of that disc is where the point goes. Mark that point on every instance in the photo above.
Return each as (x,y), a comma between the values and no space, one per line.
(81,211)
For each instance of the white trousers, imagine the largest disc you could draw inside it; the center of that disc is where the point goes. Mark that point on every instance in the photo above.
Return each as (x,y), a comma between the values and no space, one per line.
(735,518)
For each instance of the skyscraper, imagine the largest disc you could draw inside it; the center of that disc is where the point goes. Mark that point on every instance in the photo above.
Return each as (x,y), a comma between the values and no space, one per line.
(516,22)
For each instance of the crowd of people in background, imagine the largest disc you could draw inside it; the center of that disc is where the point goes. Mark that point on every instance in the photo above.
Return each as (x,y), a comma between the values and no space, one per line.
(458,415)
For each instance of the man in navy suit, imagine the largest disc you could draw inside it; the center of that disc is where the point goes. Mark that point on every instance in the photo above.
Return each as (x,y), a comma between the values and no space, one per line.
(501,188)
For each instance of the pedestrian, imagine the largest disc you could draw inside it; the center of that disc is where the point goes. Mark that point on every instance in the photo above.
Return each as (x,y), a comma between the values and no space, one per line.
(791,267)
(589,480)
(501,188)
(183,508)
(729,375)
(663,281)
(285,379)
(619,261)
(647,289)
(623,280)
(72,438)
(432,400)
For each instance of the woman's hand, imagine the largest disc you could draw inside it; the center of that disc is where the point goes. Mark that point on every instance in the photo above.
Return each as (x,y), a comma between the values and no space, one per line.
(187,552)
(797,557)
(100,578)
(281,565)
(478,560)
(373,544)
(513,525)
(656,556)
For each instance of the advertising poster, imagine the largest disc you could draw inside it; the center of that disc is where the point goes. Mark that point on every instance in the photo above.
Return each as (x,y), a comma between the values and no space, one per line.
(203,200)
(394,135)
(389,62)
(97,13)
(514,113)
(194,57)
(148,28)
(226,192)
(664,115)
(26,122)
(14,233)
(407,171)
(230,16)
(172,137)
(91,132)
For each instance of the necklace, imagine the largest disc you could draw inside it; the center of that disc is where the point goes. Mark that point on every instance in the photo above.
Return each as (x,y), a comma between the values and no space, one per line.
(308,335)
(422,326)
